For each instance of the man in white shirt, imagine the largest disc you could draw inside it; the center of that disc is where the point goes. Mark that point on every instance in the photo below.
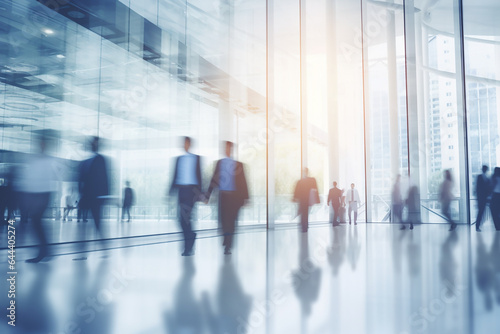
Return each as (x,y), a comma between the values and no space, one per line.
(38,182)
(187,181)
(352,199)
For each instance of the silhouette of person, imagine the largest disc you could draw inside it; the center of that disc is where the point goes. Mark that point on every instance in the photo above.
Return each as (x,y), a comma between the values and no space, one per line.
(93,183)
(397,202)
(352,198)
(186,315)
(483,190)
(335,198)
(446,196)
(495,198)
(128,200)
(38,183)
(68,206)
(82,212)
(305,194)
(229,177)
(413,206)
(187,181)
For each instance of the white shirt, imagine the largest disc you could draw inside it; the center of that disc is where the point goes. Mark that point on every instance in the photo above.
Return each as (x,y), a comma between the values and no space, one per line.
(352,195)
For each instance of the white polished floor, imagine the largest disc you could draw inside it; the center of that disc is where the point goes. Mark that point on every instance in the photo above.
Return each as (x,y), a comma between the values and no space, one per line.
(349,279)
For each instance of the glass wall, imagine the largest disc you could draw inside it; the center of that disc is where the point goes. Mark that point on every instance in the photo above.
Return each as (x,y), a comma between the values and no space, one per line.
(358,92)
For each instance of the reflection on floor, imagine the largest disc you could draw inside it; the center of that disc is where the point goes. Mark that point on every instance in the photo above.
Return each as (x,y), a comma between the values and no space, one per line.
(347,279)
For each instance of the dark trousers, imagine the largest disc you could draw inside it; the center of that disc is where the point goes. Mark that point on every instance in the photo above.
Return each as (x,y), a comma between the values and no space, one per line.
(95,206)
(495,210)
(304,216)
(229,207)
(37,204)
(126,209)
(336,216)
(481,207)
(397,213)
(187,198)
(81,213)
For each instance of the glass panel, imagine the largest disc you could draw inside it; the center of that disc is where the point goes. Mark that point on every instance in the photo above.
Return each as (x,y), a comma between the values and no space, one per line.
(482,68)
(385,108)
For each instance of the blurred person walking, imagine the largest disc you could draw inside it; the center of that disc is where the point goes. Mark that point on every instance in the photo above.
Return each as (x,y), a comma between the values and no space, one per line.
(335,198)
(306,195)
(128,200)
(446,196)
(413,206)
(187,181)
(352,198)
(483,191)
(229,177)
(37,182)
(93,183)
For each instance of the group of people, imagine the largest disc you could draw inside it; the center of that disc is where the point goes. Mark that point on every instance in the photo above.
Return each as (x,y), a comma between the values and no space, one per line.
(39,175)
(488,190)
(306,194)
(412,203)
(228,177)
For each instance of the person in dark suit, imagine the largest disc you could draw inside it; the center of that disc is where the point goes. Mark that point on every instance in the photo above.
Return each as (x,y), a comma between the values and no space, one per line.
(335,198)
(495,198)
(128,200)
(93,183)
(229,177)
(187,181)
(483,191)
(305,194)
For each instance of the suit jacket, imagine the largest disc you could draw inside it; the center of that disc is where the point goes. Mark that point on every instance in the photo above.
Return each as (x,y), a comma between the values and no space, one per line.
(241,193)
(93,179)
(175,184)
(128,197)
(483,188)
(303,191)
(334,196)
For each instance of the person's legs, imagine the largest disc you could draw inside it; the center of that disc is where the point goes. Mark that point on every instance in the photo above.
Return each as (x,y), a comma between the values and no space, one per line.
(95,208)
(186,203)
(304,216)
(128,213)
(227,217)
(447,213)
(336,216)
(349,212)
(355,216)
(38,204)
(481,206)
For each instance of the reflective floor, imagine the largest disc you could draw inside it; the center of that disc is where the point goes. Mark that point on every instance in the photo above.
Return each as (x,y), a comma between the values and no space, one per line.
(349,279)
